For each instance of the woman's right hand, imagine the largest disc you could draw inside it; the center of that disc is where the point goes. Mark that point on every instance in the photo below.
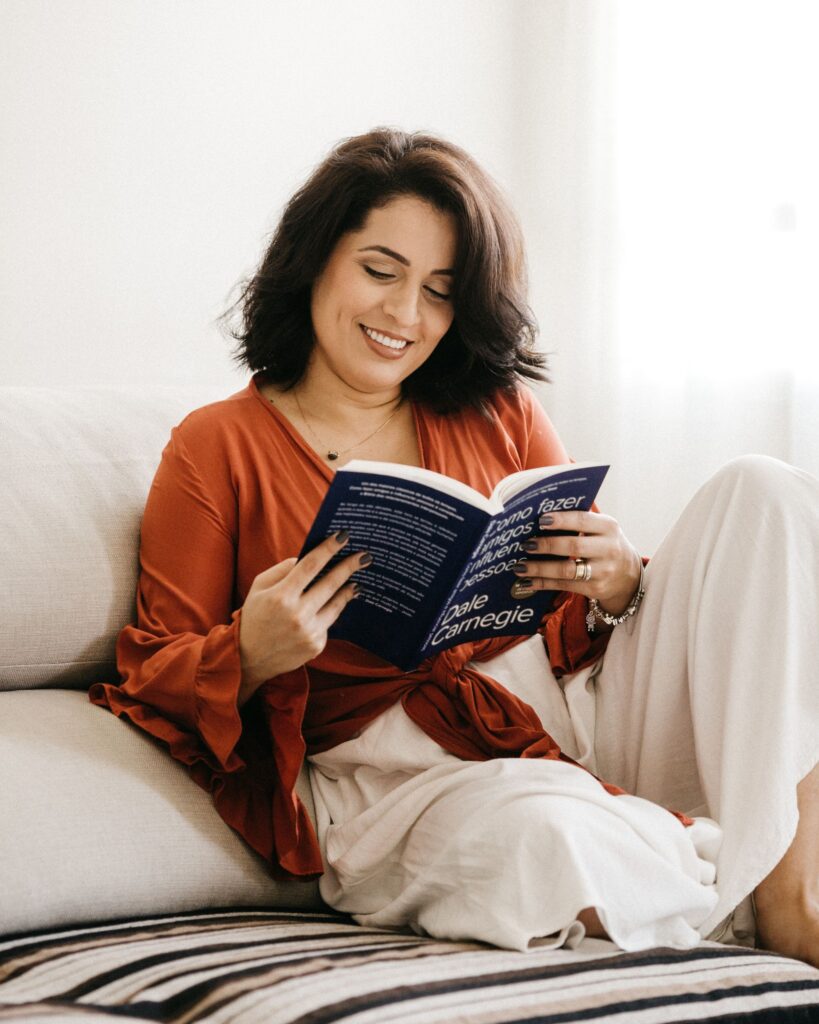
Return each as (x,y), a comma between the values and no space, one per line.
(281,626)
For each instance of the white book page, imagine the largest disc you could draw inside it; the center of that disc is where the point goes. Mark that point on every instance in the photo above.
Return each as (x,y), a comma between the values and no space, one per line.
(428,477)
(505,489)
(517,482)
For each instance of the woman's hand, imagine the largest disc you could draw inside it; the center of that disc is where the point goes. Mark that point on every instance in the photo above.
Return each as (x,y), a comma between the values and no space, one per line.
(612,564)
(282,626)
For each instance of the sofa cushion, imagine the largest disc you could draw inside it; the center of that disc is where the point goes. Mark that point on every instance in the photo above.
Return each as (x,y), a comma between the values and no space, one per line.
(98,822)
(75,467)
(270,967)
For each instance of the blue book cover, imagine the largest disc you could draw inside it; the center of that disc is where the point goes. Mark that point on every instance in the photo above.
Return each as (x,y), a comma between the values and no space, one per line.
(442,553)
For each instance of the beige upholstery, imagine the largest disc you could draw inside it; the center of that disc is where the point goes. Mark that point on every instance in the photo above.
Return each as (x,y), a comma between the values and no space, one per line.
(96,820)
(75,468)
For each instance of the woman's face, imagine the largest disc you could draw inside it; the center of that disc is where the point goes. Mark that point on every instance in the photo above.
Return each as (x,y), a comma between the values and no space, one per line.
(381,303)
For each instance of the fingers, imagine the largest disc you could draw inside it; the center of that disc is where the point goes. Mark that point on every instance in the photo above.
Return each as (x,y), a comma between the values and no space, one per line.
(567,547)
(292,577)
(314,561)
(598,537)
(583,522)
(589,524)
(560,574)
(328,614)
(599,542)
(284,620)
(322,592)
(274,574)
(295,575)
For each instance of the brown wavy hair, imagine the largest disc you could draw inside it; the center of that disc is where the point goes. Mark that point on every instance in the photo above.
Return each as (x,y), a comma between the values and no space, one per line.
(490,344)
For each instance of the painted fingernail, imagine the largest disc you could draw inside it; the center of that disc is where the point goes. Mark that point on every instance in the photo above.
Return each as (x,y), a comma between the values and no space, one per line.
(343,536)
(546,521)
(365,559)
(520,568)
(356,590)
(522,588)
(529,545)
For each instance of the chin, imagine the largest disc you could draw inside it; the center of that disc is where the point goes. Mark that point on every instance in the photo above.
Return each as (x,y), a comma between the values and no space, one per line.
(370,383)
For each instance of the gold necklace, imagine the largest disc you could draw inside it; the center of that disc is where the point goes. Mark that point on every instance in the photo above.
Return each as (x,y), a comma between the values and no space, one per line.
(334,453)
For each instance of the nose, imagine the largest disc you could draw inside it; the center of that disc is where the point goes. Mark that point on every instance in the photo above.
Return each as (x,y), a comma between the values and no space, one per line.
(401,305)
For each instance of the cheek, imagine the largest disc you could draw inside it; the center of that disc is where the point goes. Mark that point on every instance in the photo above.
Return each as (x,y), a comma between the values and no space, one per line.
(445,320)
(358,298)
(337,297)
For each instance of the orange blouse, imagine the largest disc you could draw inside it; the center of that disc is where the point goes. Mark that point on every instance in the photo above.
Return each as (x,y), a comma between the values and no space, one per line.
(235,492)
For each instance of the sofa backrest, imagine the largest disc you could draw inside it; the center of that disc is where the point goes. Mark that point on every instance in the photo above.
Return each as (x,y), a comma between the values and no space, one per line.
(84,791)
(75,468)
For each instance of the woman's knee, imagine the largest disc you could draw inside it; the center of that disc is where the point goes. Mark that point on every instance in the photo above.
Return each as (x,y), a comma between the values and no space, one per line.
(546,827)
(758,480)
(755,470)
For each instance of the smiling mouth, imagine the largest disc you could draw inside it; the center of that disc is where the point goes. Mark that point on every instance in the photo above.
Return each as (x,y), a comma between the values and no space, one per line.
(396,344)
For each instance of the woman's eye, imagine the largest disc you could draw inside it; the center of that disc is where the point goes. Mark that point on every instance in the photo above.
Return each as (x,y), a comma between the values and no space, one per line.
(377,273)
(381,275)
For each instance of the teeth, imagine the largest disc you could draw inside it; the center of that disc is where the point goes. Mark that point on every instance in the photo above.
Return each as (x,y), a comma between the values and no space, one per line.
(382,339)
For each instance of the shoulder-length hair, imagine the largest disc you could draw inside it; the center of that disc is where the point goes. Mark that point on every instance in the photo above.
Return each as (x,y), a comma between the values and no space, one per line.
(490,344)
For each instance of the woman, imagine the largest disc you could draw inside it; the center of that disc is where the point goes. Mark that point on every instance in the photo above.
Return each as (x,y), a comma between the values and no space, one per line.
(478,796)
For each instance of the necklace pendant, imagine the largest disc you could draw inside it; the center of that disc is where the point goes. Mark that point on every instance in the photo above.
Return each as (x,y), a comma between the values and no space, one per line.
(332,455)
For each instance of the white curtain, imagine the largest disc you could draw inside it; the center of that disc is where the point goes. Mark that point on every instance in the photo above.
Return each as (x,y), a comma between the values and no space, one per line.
(675,207)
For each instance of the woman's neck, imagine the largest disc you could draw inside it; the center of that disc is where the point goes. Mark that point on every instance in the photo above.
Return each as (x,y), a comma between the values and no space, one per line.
(327,400)
(341,423)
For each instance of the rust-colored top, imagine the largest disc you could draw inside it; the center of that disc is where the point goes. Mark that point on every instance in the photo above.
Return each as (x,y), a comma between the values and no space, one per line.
(235,493)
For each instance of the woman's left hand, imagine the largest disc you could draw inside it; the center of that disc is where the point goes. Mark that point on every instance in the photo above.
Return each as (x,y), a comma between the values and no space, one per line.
(612,566)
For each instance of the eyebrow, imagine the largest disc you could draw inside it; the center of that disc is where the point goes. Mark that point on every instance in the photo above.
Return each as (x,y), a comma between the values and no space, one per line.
(401,259)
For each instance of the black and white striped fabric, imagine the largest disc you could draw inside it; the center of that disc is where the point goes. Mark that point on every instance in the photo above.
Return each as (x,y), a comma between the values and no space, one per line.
(263,967)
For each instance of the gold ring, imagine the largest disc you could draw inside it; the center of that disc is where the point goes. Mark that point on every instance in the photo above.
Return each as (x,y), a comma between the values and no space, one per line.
(582,570)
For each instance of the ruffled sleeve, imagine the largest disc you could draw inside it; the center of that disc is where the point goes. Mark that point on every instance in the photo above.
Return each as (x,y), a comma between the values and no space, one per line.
(180,663)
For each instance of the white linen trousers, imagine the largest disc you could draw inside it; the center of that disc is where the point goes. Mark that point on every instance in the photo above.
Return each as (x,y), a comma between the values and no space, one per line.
(705,702)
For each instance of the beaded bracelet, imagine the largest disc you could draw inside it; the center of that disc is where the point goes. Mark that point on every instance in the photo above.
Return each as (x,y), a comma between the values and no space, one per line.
(596,612)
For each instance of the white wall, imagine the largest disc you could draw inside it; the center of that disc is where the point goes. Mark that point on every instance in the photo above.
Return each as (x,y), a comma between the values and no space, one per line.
(148,146)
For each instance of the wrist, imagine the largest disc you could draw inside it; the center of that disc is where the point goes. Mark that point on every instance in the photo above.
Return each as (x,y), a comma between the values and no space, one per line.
(597,615)
(250,683)
(616,604)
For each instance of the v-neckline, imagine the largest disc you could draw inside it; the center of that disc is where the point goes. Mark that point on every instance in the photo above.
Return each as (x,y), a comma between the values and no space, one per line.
(307,448)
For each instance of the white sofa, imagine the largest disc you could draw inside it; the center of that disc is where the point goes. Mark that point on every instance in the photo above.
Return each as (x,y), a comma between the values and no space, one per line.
(114,826)
(111,858)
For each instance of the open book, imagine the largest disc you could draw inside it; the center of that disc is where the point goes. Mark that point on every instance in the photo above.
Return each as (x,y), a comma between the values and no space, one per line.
(442,553)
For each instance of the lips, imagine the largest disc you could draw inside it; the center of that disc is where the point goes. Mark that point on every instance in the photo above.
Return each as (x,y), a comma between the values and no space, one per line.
(388,341)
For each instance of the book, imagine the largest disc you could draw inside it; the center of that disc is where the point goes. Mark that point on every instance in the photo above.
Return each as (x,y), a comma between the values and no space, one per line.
(442,553)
